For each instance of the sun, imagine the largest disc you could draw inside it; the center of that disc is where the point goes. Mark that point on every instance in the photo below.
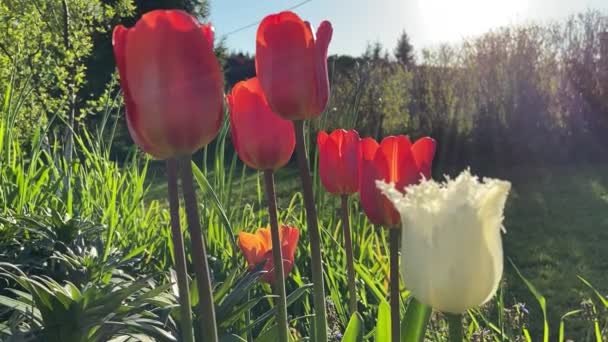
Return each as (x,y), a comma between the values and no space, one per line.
(451,20)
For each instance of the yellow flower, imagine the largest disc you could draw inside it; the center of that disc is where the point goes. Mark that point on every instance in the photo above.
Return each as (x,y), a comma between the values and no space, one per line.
(452,257)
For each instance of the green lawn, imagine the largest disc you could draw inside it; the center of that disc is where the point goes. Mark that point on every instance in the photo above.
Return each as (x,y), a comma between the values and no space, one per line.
(557,229)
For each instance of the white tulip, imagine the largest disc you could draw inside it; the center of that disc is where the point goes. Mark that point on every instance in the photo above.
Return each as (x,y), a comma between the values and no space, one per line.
(451,250)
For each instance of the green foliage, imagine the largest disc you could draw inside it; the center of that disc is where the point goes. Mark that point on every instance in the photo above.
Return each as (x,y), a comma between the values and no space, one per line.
(370,93)
(354,329)
(45,46)
(46,309)
(414,324)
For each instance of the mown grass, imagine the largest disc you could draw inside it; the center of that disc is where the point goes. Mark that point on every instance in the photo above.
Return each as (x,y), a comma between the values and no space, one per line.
(557,229)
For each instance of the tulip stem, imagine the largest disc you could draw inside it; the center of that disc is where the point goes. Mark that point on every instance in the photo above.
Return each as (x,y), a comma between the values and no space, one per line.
(348,247)
(455,327)
(206,310)
(394,236)
(279,275)
(179,253)
(313,234)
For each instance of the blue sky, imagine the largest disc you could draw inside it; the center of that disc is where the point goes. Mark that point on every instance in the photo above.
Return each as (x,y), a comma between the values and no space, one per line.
(356,22)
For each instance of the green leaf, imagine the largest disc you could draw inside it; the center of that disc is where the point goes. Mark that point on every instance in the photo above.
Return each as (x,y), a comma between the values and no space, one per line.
(268,335)
(383,326)
(597,293)
(562,323)
(354,330)
(413,326)
(291,298)
(231,338)
(539,298)
(15,305)
(206,187)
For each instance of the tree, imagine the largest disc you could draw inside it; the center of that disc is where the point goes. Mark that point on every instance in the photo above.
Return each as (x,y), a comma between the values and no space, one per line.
(404,52)
(199,8)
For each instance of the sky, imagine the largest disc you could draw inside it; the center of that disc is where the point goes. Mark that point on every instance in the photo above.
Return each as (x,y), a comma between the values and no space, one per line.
(357,22)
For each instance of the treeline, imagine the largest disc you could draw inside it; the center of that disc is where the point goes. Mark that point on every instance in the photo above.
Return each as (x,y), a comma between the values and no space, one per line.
(523,94)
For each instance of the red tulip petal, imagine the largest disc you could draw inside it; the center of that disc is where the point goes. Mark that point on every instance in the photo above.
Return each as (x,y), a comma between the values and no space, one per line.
(346,158)
(234,133)
(269,268)
(371,203)
(285,54)
(378,166)
(119,43)
(384,171)
(367,152)
(403,170)
(424,152)
(329,166)
(349,151)
(321,138)
(252,248)
(368,148)
(180,20)
(208,33)
(367,176)
(175,79)
(338,137)
(282,18)
(324,33)
(265,238)
(267,149)
(289,240)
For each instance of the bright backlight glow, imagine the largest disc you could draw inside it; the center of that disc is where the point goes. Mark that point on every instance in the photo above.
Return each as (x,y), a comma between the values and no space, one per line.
(451,20)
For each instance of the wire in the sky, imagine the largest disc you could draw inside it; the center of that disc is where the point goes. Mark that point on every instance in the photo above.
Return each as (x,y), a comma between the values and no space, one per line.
(257,22)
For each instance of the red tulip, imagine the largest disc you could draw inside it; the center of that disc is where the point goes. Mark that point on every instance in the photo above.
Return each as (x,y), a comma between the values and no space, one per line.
(257,249)
(263,140)
(338,161)
(397,161)
(292,65)
(172,82)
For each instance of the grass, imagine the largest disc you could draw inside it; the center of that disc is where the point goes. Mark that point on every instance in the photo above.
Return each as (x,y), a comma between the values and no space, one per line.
(557,229)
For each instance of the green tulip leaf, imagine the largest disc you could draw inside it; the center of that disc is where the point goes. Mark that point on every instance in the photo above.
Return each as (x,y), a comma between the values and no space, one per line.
(383,326)
(354,330)
(539,298)
(413,325)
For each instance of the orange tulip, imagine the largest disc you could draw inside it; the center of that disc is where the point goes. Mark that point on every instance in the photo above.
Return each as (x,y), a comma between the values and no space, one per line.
(292,65)
(172,82)
(257,249)
(338,161)
(262,139)
(394,160)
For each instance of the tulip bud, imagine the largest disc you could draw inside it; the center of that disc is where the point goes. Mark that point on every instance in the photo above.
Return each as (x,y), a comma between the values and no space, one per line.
(338,161)
(452,257)
(172,82)
(292,65)
(262,139)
